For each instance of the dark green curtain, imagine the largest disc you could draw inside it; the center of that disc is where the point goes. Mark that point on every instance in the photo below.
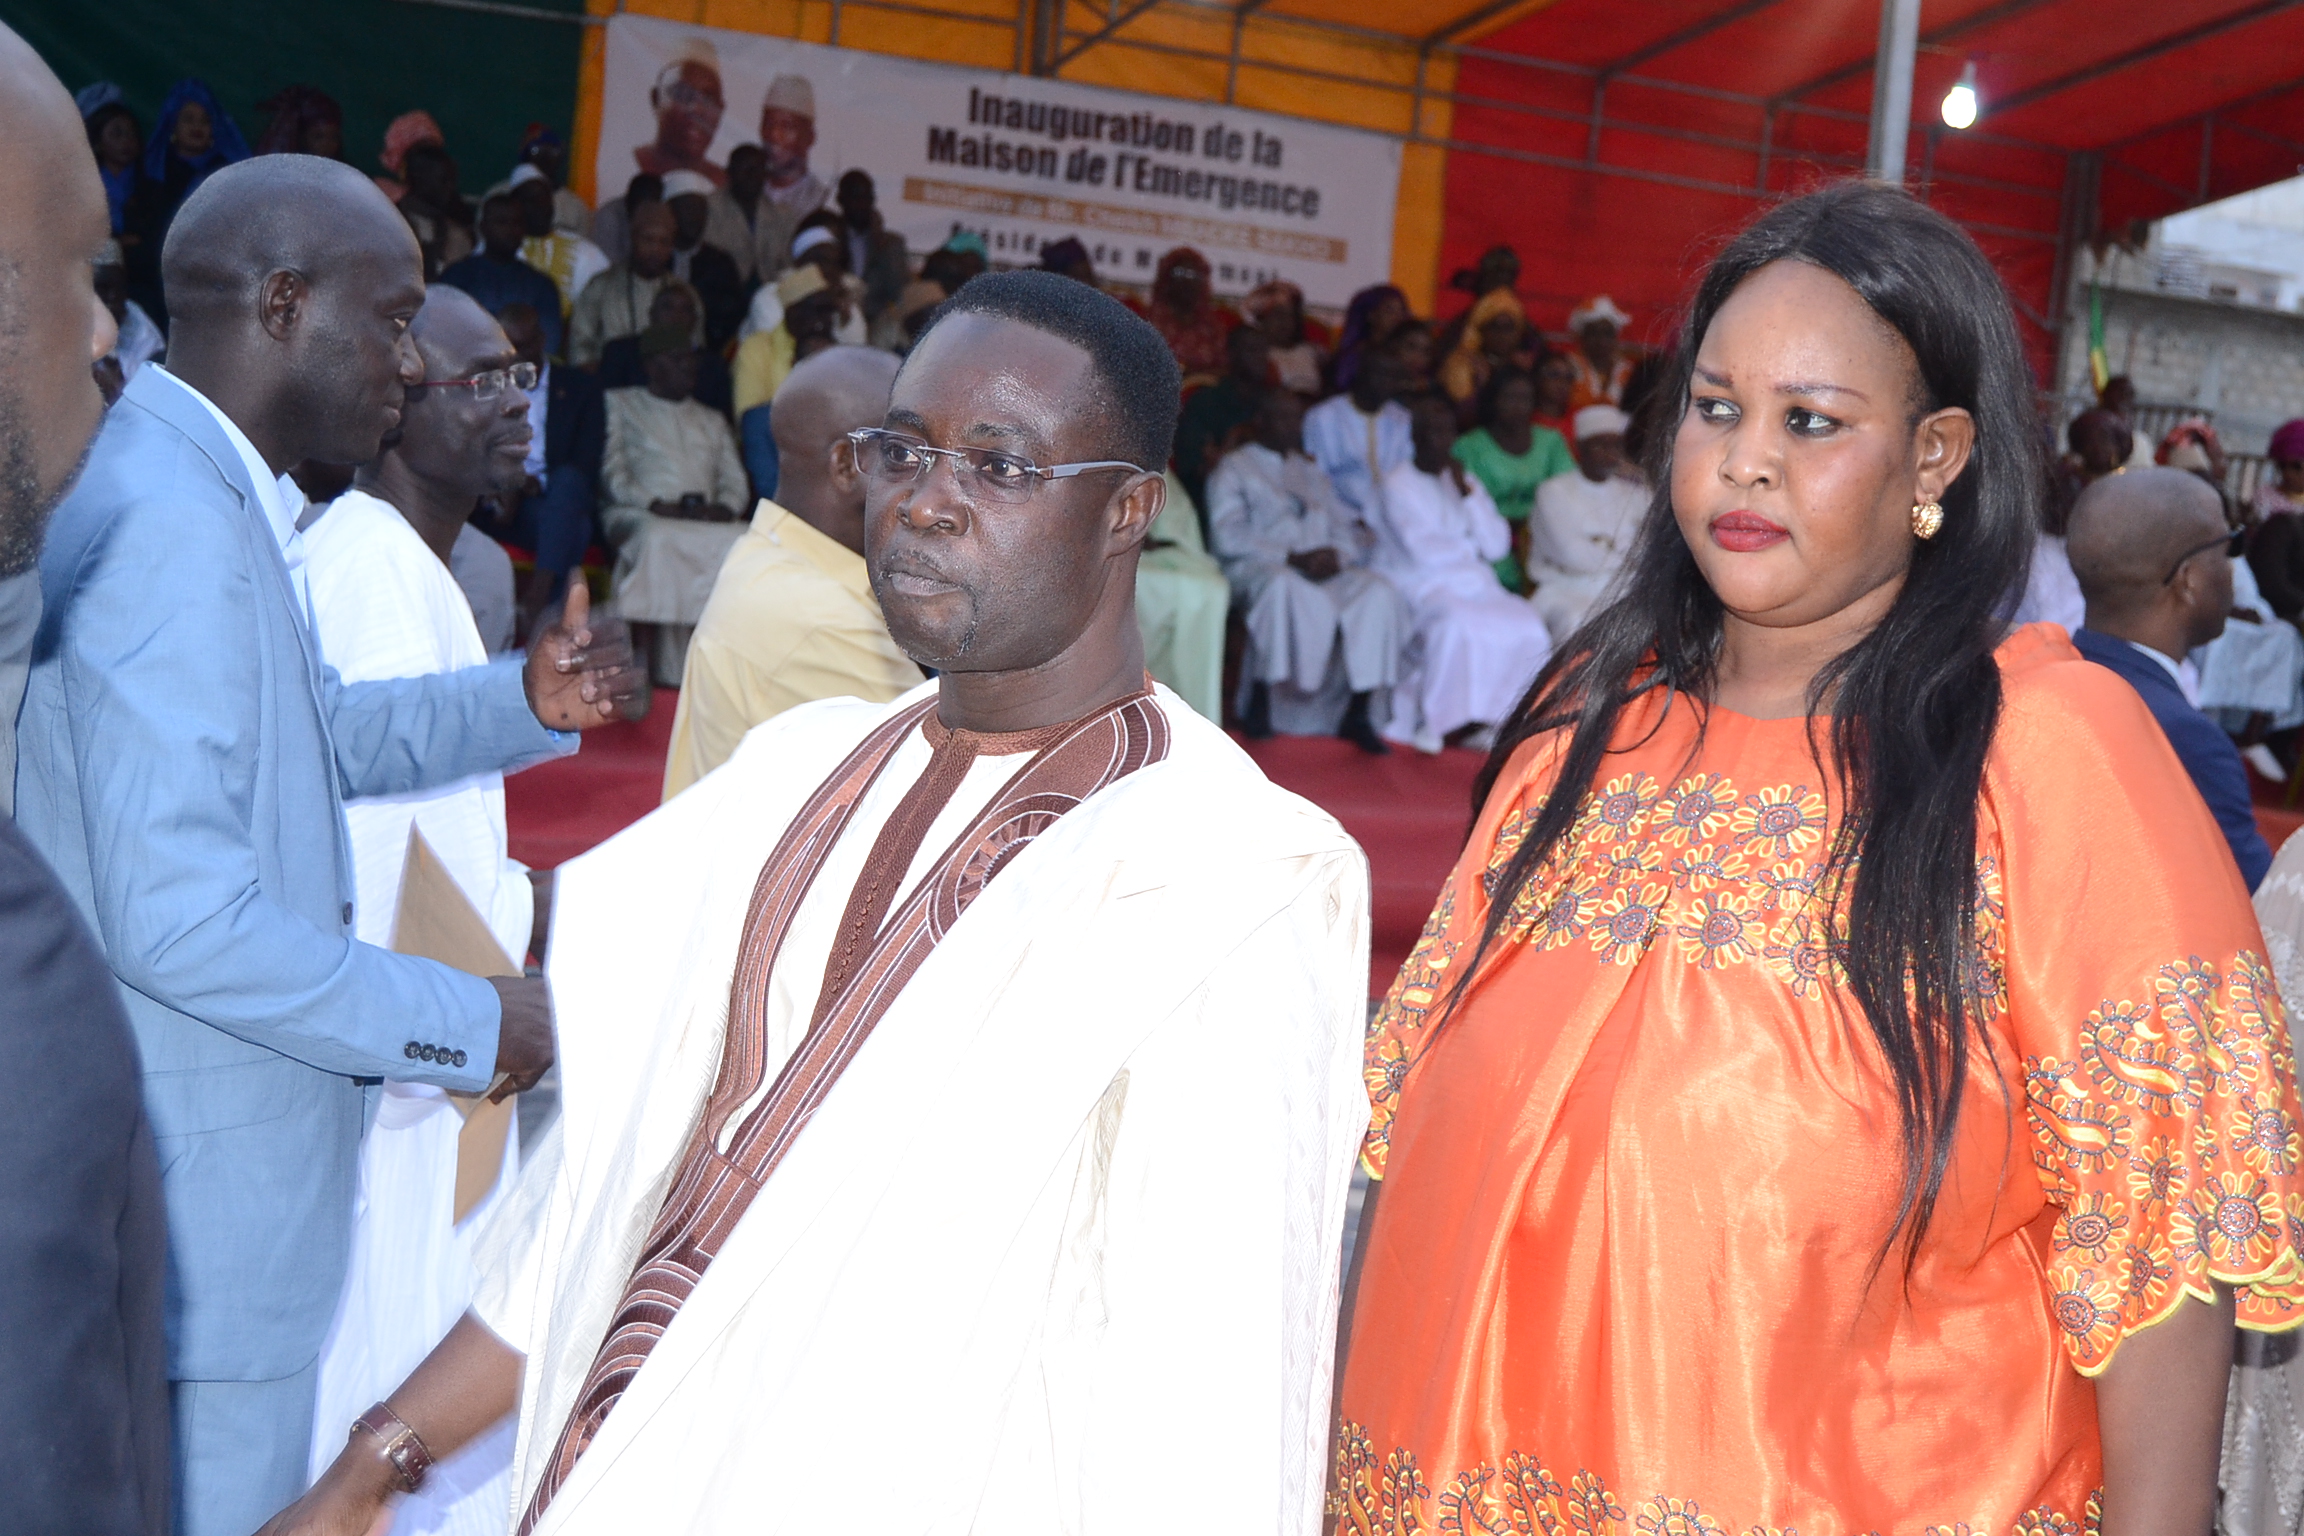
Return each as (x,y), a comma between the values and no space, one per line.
(483,76)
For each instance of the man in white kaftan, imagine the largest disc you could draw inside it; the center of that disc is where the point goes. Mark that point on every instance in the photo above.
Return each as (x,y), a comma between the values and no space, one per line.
(960,1095)
(673,499)
(1112,1107)
(1476,646)
(1297,557)
(1581,529)
(385,604)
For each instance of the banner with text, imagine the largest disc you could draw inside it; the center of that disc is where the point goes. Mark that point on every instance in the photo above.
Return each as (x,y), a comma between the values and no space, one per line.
(1020,160)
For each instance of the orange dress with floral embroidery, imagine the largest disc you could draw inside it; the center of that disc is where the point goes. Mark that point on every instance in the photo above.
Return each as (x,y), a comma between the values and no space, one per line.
(1634,1190)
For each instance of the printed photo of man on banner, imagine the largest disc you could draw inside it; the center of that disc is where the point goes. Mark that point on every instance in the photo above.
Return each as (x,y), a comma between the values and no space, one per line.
(1017,162)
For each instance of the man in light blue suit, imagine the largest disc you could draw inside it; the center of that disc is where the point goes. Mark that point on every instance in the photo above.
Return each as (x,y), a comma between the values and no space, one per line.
(184,754)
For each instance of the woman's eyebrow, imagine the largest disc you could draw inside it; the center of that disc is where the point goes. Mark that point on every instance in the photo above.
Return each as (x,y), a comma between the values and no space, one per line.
(1806,387)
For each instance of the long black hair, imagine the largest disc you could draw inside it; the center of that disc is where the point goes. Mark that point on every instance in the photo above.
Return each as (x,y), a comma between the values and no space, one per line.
(1913,705)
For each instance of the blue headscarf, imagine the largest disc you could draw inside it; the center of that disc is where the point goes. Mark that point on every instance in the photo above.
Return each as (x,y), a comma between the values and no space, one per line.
(225,148)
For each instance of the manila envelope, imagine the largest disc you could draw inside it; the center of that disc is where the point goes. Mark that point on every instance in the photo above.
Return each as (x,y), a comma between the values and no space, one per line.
(437,921)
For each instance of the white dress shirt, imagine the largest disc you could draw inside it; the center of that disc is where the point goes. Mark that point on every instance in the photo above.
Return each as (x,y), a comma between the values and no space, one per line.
(277,496)
(2186,675)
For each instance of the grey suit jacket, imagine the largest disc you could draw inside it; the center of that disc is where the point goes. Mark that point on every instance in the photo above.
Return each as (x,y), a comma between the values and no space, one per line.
(183,759)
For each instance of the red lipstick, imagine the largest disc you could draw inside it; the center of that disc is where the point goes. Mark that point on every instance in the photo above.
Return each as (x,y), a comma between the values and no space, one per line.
(1745,533)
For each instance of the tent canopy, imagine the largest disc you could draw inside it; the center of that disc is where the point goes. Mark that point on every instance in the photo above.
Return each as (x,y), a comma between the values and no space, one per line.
(1615,138)
(1612,142)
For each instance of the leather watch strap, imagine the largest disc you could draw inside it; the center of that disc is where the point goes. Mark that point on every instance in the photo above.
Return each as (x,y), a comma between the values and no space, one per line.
(411,1459)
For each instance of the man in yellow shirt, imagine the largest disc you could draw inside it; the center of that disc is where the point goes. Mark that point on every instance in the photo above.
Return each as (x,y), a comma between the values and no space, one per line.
(791,617)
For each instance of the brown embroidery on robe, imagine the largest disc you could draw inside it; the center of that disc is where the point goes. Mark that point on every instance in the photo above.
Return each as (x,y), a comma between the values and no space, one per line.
(871,960)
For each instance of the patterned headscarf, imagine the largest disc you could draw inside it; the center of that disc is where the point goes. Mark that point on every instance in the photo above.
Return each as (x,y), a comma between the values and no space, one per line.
(1496,301)
(2192,432)
(226,147)
(407,131)
(1267,297)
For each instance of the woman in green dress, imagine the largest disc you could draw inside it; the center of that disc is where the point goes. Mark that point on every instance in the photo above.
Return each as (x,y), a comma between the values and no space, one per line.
(1511,455)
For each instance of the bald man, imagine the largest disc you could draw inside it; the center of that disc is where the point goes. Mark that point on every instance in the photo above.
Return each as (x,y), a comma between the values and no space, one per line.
(2154,555)
(792,617)
(83,1244)
(185,755)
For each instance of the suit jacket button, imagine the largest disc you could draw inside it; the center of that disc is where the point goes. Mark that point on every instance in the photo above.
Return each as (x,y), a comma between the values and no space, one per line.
(456,1060)
(410,1049)
(347,914)
(428,1053)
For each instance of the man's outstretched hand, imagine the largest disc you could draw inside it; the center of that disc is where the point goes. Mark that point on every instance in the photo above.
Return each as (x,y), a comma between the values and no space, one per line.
(580,668)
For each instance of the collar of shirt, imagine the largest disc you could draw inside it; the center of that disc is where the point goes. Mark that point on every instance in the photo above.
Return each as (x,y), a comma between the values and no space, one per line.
(787,529)
(2187,679)
(277,496)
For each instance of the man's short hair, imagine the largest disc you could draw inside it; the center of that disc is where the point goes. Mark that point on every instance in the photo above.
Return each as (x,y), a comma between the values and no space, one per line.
(1137,371)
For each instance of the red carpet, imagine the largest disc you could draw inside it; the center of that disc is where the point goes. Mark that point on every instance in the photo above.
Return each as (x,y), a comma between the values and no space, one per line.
(1407,810)
(558,810)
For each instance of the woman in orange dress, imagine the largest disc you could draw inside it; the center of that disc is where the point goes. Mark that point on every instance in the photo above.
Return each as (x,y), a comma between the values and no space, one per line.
(1840,1089)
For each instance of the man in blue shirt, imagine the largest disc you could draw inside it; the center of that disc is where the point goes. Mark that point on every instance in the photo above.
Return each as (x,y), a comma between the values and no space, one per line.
(2154,557)
(497,277)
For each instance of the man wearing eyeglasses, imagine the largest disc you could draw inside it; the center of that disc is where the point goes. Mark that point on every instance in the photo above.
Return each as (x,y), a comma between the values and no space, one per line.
(961,1092)
(386,604)
(186,751)
(2154,559)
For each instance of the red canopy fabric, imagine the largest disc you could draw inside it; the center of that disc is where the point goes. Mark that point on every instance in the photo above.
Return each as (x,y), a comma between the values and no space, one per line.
(1614,145)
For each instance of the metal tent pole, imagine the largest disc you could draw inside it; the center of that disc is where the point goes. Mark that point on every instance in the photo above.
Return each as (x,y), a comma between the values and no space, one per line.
(1892,88)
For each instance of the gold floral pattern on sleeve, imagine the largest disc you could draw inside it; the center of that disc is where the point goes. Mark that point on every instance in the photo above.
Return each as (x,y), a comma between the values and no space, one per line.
(2171,1144)
(1399,1023)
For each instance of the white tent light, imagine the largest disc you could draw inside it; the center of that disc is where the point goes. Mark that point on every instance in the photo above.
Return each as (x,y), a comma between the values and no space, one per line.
(1960,101)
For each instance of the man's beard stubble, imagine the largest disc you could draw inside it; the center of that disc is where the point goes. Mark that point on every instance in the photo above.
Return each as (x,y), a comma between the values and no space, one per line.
(24,506)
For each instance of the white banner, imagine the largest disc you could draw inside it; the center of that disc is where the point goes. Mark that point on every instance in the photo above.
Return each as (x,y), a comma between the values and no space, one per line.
(1020,160)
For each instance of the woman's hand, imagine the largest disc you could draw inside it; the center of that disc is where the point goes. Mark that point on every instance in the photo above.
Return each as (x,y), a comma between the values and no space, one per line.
(352,1497)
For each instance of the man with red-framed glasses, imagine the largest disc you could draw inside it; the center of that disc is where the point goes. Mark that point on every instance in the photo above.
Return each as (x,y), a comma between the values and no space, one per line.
(386,603)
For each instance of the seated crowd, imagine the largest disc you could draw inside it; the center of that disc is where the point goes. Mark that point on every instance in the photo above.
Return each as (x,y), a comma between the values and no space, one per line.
(1384,527)
(2213,646)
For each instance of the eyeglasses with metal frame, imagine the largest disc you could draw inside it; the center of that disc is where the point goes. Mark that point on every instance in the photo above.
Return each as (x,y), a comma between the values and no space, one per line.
(2235,545)
(981,473)
(488,384)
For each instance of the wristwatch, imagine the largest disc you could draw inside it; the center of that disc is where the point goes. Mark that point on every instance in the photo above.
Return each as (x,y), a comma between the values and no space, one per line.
(411,1459)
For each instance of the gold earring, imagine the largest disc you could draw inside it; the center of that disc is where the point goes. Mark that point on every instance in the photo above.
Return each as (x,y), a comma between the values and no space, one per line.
(1927,517)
